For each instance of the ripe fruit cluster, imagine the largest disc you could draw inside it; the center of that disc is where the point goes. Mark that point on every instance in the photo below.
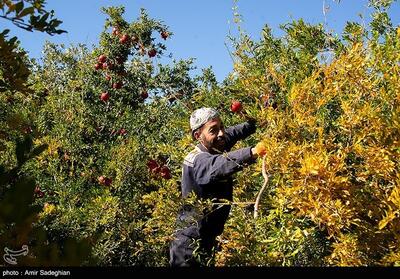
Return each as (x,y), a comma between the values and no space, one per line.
(105,63)
(159,169)
(134,41)
(114,66)
(102,63)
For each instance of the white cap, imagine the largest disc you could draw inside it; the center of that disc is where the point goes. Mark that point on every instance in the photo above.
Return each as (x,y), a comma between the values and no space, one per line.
(201,116)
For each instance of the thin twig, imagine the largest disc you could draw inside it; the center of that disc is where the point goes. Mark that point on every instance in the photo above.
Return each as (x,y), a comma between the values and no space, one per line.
(264,173)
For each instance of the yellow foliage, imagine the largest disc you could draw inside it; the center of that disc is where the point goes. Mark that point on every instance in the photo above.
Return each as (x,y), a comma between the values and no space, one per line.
(333,151)
(313,163)
(48,209)
(346,252)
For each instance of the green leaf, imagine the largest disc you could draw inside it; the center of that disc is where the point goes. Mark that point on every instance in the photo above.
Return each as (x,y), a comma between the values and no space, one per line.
(12,41)
(26,11)
(44,18)
(5,32)
(19,6)
(55,22)
(60,31)
(33,19)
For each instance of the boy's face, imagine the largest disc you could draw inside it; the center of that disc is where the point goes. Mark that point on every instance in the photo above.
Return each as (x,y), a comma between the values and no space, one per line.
(212,135)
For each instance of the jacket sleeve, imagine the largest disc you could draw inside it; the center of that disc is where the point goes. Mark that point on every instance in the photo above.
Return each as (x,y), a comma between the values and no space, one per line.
(209,168)
(239,132)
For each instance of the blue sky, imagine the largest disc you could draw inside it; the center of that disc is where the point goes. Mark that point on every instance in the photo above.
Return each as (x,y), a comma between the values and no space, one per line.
(200,27)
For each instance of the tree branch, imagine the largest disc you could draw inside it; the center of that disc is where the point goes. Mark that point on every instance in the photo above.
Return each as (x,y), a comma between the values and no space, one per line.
(265,175)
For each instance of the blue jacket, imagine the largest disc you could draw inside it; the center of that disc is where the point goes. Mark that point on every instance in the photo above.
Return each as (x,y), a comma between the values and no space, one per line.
(209,176)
